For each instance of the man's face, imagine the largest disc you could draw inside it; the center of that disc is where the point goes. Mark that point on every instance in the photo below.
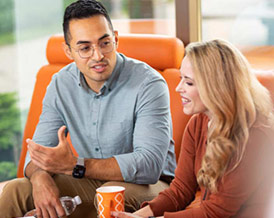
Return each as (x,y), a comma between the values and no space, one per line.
(92,33)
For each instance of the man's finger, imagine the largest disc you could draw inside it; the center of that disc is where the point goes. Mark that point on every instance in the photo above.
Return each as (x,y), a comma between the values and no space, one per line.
(53,213)
(45,213)
(36,147)
(60,211)
(39,151)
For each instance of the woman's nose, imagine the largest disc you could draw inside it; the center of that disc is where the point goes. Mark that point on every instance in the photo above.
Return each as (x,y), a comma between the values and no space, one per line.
(180,87)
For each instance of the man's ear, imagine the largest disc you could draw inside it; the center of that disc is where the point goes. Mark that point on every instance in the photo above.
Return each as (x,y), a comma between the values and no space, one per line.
(67,50)
(116,38)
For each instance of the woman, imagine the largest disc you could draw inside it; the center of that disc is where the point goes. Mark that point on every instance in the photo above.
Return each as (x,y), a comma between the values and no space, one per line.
(227,147)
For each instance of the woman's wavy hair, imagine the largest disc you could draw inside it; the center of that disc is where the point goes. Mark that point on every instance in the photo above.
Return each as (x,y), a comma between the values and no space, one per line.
(235,99)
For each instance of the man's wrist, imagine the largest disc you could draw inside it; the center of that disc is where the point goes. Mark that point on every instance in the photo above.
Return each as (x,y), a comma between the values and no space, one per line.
(36,172)
(39,170)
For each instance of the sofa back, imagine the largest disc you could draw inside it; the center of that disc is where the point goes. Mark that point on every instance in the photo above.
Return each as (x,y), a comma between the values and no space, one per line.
(160,52)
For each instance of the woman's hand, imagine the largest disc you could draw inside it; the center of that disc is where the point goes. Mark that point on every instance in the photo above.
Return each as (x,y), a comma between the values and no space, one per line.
(124,215)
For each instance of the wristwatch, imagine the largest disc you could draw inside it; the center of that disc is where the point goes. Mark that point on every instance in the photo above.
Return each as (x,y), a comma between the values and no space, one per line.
(152,217)
(80,169)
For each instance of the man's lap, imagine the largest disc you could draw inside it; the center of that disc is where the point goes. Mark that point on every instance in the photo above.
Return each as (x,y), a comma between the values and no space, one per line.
(86,188)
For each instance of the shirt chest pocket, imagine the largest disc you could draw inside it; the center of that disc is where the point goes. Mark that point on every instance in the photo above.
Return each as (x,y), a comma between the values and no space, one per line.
(116,137)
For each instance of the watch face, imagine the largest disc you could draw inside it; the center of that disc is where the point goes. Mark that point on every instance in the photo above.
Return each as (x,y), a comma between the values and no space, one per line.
(78,171)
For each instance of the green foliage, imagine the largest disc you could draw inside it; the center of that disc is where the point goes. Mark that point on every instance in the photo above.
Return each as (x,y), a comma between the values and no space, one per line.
(7,38)
(67,3)
(138,8)
(6,21)
(8,171)
(106,3)
(9,121)
(6,16)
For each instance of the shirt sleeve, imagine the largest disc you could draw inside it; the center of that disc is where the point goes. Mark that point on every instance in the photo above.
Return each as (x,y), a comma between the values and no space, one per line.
(49,122)
(151,136)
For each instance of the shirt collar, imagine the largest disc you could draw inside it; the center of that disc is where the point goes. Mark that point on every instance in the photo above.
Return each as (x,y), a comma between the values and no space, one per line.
(112,81)
(82,81)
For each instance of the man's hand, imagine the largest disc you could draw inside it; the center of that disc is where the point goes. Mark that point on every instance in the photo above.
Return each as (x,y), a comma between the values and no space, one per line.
(59,159)
(46,196)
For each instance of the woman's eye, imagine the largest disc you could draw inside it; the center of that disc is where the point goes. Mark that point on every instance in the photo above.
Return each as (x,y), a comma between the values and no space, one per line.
(189,83)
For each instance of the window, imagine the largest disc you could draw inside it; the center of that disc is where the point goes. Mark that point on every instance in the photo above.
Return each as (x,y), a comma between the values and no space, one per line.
(142,16)
(245,23)
(248,24)
(25,27)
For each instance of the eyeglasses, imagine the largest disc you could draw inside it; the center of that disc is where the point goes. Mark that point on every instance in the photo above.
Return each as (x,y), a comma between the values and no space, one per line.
(86,51)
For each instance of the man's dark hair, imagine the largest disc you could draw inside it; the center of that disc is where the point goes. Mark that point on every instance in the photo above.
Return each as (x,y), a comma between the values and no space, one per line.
(83,9)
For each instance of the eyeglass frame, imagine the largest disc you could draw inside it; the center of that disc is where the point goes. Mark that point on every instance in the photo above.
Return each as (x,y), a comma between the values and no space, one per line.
(93,50)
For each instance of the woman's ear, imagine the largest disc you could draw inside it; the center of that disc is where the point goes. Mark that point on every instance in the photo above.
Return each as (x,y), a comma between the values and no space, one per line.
(67,50)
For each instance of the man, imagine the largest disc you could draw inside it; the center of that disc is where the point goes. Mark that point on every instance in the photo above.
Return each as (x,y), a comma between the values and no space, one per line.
(116,110)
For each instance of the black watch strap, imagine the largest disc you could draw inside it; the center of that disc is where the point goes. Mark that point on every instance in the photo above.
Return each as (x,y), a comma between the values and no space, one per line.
(80,161)
(152,217)
(80,169)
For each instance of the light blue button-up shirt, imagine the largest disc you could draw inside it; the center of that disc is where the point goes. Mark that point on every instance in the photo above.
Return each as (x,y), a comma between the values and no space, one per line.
(129,119)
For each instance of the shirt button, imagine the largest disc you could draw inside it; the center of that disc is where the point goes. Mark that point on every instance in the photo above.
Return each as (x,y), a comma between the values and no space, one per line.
(97,149)
(96,97)
(94,123)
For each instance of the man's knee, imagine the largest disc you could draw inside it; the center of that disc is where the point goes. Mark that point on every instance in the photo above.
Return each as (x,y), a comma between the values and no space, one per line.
(17,187)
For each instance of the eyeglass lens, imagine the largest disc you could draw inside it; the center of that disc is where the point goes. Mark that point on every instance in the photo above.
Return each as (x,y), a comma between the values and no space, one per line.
(104,47)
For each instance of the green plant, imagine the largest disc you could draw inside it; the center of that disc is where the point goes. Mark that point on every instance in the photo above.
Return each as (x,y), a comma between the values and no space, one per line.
(6,21)
(10,129)
(9,120)
(8,170)
(6,16)
(67,3)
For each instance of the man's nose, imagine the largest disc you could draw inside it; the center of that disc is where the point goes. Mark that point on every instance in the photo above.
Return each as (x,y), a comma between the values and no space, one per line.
(97,54)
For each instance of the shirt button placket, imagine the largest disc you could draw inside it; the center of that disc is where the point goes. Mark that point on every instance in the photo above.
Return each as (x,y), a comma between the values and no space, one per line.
(94,129)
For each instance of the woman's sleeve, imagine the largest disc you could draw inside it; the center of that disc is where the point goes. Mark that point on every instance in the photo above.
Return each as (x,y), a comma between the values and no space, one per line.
(183,188)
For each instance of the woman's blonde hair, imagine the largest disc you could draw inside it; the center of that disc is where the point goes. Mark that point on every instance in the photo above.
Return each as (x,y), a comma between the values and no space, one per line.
(235,99)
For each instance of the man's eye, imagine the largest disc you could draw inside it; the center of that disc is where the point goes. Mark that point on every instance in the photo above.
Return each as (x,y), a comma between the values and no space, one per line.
(85,49)
(105,44)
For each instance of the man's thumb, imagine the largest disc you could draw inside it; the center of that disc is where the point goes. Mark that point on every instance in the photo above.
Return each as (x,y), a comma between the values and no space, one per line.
(62,134)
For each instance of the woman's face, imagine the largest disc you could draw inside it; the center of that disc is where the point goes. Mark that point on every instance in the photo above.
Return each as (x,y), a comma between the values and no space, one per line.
(188,90)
